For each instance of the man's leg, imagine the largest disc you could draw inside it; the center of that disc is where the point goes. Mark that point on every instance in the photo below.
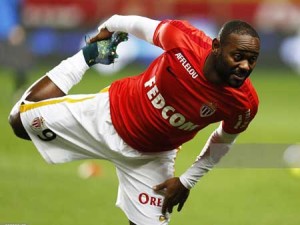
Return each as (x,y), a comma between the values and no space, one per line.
(136,197)
(42,90)
(56,83)
(69,72)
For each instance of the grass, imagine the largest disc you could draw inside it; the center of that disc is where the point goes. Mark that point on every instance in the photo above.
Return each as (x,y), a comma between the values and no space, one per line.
(36,193)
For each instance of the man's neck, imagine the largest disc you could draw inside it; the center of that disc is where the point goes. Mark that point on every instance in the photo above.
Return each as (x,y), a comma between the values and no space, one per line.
(209,70)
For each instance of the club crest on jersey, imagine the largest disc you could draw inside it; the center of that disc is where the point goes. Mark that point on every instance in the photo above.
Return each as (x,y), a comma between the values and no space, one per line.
(207,109)
(37,124)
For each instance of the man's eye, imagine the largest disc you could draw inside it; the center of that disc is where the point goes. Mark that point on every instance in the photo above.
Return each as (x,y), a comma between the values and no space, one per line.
(237,57)
(252,60)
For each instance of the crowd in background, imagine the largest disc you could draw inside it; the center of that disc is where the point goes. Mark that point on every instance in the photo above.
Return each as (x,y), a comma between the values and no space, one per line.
(55,28)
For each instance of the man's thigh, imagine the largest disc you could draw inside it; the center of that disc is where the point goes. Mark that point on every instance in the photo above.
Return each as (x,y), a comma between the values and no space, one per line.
(136,197)
(70,128)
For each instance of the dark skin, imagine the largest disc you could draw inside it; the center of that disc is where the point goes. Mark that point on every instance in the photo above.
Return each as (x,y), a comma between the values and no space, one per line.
(232,62)
(44,89)
(229,64)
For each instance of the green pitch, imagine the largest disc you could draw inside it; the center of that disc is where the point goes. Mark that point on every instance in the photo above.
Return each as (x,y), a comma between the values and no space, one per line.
(35,193)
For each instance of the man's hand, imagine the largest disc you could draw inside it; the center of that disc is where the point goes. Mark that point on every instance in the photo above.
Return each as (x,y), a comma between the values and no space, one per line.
(175,193)
(102,35)
(102,48)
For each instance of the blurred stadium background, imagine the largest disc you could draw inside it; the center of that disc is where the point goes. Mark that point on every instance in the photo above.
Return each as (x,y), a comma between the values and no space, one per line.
(35,35)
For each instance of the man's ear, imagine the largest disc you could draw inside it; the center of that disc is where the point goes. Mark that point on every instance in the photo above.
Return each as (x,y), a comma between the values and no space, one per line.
(216,45)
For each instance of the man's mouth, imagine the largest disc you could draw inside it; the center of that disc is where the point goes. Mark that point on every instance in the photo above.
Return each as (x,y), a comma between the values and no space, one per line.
(239,76)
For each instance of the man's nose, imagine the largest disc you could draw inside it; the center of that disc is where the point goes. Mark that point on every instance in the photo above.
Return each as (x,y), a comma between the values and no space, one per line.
(244,65)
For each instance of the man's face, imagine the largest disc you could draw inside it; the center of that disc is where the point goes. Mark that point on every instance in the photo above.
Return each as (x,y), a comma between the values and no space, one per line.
(236,58)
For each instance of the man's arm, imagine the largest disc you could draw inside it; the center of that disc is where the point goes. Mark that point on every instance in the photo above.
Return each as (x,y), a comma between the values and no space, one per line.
(218,144)
(177,188)
(138,26)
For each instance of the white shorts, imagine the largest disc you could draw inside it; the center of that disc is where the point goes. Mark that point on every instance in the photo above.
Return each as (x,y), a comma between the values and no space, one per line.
(79,127)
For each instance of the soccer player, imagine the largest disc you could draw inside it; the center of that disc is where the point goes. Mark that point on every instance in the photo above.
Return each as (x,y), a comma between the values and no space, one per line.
(140,122)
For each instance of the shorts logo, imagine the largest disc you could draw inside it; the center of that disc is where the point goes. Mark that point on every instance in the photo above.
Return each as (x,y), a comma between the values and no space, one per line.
(40,129)
(162,218)
(37,124)
(144,199)
(208,109)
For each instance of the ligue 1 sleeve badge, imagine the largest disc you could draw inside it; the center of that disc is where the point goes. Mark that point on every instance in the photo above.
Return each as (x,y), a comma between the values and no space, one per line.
(208,109)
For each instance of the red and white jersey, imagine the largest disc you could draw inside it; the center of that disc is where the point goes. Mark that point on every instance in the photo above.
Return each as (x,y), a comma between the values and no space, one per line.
(171,101)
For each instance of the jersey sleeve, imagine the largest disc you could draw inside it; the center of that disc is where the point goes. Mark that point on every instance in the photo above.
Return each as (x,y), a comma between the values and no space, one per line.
(171,34)
(141,27)
(245,108)
(240,121)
